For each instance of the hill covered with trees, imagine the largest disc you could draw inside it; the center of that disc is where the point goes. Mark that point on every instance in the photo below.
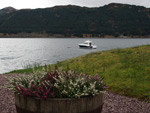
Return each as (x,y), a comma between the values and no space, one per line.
(112,19)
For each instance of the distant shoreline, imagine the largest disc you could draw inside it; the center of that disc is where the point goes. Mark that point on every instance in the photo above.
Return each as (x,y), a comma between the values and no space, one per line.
(36,35)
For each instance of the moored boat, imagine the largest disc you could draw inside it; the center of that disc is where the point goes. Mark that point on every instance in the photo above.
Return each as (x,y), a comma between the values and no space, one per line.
(87,44)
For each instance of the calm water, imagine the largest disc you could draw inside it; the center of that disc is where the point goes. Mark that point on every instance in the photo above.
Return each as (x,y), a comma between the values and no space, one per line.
(18,53)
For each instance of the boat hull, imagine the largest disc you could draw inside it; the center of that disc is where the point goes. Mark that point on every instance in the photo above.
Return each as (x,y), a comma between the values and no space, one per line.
(84,46)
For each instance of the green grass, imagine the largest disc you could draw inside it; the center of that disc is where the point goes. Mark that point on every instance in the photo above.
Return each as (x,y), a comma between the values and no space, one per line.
(126,71)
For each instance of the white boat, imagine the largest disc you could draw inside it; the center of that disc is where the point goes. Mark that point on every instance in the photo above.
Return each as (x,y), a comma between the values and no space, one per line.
(87,44)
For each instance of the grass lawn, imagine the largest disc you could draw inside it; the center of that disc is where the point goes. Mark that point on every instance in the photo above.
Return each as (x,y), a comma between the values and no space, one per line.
(125,71)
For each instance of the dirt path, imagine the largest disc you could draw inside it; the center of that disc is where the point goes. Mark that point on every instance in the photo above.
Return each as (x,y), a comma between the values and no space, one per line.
(113,103)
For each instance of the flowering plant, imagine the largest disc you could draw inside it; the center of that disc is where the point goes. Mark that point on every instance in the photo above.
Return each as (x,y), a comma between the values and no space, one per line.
(57,84)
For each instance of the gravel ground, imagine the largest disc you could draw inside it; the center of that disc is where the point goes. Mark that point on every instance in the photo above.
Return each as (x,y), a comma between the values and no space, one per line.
(113,103)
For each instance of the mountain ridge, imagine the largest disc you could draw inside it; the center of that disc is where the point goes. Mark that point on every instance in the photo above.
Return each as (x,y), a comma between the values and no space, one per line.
(113,19)
(7,10)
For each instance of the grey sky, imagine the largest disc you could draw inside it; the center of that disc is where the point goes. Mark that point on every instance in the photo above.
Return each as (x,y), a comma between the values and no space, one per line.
(19,4)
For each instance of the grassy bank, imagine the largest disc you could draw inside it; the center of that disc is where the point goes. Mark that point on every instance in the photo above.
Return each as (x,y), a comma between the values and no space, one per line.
(126,71)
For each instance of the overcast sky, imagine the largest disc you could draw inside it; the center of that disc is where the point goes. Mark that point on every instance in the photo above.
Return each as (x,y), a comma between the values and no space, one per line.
(20,4)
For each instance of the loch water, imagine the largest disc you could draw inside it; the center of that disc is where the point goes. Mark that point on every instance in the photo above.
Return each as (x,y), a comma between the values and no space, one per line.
(18,53)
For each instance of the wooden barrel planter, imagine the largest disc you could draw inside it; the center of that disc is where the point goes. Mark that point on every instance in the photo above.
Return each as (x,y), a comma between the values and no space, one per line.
(65,105)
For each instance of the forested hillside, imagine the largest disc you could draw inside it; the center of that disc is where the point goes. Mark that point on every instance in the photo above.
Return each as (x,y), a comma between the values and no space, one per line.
(113,19)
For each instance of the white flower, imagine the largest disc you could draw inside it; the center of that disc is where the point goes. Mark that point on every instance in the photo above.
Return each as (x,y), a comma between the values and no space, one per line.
(56,85)
(64,92)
